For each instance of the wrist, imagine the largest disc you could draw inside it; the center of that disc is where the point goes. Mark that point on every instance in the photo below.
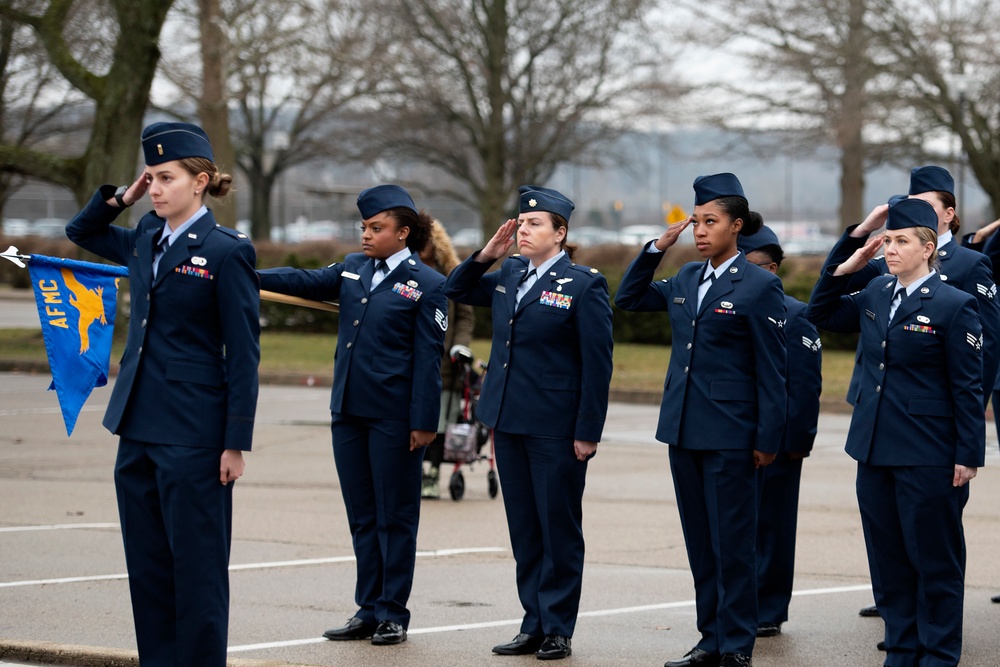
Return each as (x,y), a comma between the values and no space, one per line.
(120,197)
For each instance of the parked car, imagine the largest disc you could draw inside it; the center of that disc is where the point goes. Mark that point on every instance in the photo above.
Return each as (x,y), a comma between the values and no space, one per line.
(636,235)
(591,236)
(16,227)
(51,228)
(470,237)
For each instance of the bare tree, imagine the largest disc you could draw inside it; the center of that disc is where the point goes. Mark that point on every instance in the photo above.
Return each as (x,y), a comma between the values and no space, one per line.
(105,53)
(947,67)
(494,93)
(296,72)
(820,74)
(213,107)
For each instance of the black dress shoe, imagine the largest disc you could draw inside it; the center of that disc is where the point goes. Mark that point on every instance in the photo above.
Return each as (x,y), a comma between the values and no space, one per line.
(995,598)
(880,646)
(555,647)
(696,657)
(735,660)
(389,632)
(523,644)
(354,629)
(769,629)
(869,612)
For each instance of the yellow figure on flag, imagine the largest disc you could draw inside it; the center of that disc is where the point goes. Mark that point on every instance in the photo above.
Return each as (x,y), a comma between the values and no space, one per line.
(90,303)
(676,215)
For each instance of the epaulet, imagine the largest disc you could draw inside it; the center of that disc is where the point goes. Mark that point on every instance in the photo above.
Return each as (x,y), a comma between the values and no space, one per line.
(590,271)
(236,234)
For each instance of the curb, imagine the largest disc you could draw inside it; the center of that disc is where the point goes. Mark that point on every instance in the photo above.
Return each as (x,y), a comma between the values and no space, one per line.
(70,655)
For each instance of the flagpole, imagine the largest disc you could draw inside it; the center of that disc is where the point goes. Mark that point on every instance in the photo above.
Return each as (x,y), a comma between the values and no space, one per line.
(13,254)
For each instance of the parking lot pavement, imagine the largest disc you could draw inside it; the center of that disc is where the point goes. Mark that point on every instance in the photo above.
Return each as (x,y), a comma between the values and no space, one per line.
(62,572)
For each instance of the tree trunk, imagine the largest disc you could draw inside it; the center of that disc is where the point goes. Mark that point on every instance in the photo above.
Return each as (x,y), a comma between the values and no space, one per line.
(494,152)
(851,120)
(260,206)
(213,105)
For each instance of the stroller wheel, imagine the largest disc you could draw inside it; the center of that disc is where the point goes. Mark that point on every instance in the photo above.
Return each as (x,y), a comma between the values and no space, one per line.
(457,485)
(491,479)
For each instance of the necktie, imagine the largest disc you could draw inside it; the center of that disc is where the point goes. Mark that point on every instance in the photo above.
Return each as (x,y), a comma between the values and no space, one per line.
(381,268)
(897,299)
(704,286)
(525,285)
(160,251)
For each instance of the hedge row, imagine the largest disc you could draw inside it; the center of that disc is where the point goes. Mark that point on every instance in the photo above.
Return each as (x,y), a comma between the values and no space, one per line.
(798,273)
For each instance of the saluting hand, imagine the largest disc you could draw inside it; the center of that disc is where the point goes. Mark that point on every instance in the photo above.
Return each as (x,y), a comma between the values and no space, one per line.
(499,244)
(874,221)
(861,256)
(671,234)
(421,439)
(762,459)
(231,466)
(963,475)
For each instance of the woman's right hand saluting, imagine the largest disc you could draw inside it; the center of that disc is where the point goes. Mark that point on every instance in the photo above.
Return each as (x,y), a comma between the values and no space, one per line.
(671,234)
(499,244)
(135,191)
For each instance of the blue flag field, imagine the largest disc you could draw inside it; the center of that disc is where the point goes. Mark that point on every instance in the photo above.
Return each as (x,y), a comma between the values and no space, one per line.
(76,306)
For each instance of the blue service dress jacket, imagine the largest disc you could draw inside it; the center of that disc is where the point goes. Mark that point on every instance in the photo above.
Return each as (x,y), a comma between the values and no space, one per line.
(965,269)
(920,397)
(391,340)
(550,366)
(189,372)
(805,378)
(725,385)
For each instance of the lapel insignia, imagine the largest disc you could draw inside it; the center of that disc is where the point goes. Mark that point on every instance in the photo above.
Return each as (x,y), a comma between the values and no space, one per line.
(733,269)
(349,275)
(552,273)
(199,261)
(943,277)
(890,284)
(192,235)
(678,299)
(870,314)
(412,263)
(925,290)
(942,253)
(411,283)
(726,304)
(501,289)
(923,319)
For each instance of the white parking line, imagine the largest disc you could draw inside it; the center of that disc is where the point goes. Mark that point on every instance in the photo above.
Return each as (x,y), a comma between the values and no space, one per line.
(517,621)
(57,526)
(254,566)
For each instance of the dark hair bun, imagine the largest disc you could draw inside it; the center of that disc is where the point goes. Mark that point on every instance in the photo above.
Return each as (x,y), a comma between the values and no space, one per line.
(752,224)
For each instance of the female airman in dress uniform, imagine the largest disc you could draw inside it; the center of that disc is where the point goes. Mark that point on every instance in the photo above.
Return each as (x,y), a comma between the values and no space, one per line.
(546,397)
(385,399)
(723,409)
(186,392)
(917,432)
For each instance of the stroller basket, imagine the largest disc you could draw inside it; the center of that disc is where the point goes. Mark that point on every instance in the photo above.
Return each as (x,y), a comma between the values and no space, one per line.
(461,443)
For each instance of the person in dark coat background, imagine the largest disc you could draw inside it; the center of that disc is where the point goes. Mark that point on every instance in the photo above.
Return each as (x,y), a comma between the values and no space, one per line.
(386,397)
(186,393)
(724,406)
(917,431)
(779,505)
(546,397)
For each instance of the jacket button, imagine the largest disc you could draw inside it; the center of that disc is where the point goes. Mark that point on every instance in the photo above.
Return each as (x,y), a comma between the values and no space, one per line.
(508,343)
(349,345)
(510,321)
(147,296)
(878,388)
(139,351)
(689,346)
(686,368)
(505,364)
(364,300)
(883,345)
(356,322)
(692,322)
(144,323)
(881,367)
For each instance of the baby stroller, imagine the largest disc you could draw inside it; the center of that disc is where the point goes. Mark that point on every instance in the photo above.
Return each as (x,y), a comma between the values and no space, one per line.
(465,439)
